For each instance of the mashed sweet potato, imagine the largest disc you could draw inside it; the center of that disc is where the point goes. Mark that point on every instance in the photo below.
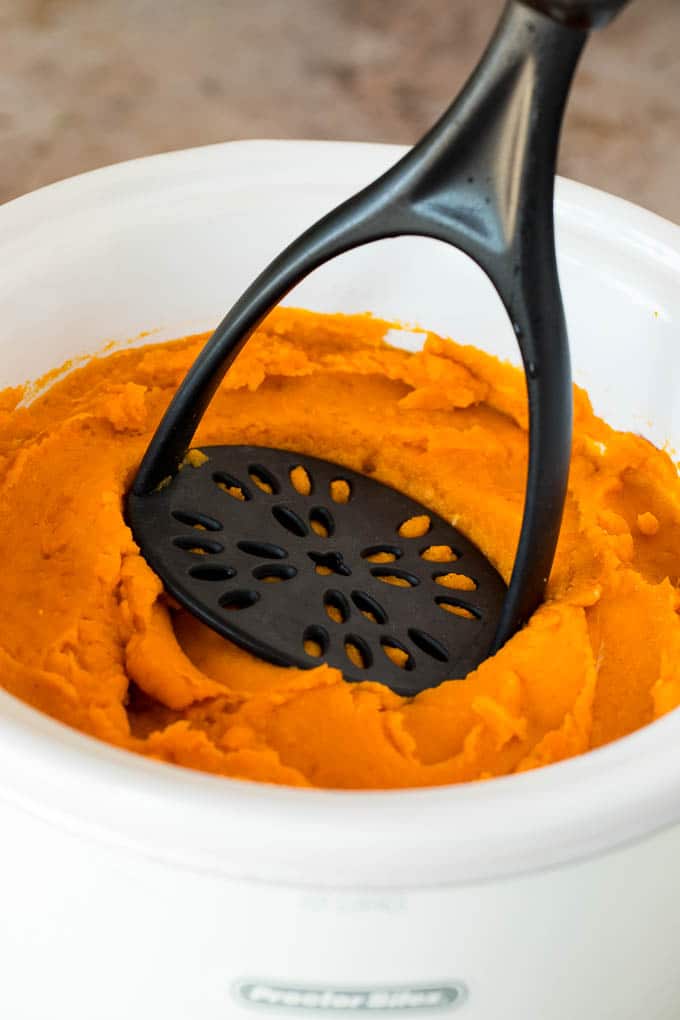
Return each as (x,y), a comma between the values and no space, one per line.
(88,636)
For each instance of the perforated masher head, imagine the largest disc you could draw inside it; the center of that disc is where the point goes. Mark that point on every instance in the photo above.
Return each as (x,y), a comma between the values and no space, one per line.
(323,570)
(298,574)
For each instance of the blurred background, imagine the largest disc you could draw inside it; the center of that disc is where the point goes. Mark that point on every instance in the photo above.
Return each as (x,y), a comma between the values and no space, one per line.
(89,82)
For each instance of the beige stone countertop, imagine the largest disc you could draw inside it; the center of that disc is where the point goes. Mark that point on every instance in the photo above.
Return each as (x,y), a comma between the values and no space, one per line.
(89,82)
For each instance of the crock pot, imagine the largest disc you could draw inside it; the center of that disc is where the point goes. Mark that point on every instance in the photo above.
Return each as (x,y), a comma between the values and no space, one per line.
(133,889)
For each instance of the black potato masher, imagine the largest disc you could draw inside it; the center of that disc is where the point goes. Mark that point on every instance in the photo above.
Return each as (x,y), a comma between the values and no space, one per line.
(354,590)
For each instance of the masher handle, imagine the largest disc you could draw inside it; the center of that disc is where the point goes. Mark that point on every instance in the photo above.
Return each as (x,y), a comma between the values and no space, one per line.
(482,180)
(579,13)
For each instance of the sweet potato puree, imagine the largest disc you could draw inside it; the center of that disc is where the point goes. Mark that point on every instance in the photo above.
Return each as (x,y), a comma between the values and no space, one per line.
(89,636)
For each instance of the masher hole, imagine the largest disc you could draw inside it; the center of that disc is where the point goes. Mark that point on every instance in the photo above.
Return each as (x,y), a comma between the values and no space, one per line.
(267,550)
(321,522)
(336,605)
(289,520)
(263,478)
(340,490)
(459,582)
(195,520)
(197,545)
(381,553)
(212,572)
(315,641)
(415,527)
(456,609)
(270,573)
(358,652)
(369,607)
(329,563)
(236,600)
(232,486)
(397,654)
(301,480)
(439,554)
(428,644)
(397,578)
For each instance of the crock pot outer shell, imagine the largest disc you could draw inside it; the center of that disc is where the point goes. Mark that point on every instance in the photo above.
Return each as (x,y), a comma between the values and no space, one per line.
(327,839)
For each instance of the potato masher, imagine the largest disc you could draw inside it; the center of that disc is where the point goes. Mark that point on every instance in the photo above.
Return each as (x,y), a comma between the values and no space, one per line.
(357,588)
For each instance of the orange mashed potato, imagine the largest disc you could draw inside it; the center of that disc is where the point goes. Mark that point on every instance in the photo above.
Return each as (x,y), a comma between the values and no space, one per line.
(89,636)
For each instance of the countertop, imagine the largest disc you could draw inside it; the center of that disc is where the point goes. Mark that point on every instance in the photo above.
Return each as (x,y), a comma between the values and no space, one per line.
(89,82)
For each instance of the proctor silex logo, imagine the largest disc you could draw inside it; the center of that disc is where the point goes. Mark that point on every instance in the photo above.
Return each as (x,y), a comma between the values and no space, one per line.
(404,1000)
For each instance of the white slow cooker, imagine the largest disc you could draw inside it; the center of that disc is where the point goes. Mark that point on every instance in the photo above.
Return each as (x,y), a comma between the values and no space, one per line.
(131,889)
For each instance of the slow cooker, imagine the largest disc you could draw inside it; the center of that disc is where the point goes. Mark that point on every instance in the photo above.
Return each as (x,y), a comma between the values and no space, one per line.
(130,888)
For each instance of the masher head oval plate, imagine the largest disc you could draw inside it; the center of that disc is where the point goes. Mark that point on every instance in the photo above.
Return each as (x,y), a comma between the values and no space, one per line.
(299,578)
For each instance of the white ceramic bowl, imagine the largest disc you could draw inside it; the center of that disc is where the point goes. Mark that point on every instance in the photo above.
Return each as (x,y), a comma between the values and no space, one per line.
(133,889)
